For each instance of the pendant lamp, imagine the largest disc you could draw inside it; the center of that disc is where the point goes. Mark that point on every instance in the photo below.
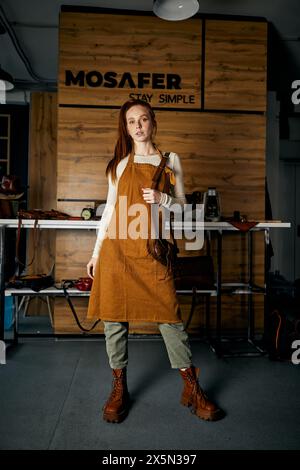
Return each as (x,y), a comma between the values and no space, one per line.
(175,10)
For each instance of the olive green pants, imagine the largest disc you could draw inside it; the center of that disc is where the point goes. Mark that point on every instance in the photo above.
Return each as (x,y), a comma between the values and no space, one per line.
(174,335)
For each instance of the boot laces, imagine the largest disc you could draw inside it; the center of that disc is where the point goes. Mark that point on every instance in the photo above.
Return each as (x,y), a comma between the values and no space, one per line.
(197,390)
(117,387)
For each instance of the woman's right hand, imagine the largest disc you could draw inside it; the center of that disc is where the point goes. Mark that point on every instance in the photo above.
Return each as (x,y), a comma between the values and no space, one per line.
(90,267)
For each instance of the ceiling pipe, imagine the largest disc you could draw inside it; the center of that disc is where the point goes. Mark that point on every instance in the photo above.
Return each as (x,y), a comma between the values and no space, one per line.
(7,26)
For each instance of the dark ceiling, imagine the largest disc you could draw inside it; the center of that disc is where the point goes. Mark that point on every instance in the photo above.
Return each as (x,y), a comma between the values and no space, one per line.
(30,52)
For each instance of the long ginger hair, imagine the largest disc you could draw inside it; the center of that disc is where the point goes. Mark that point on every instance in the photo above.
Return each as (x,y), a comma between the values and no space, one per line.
(125,144)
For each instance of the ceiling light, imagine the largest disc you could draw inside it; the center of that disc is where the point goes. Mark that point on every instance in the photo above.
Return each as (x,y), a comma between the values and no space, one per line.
(175,10)
(6,80)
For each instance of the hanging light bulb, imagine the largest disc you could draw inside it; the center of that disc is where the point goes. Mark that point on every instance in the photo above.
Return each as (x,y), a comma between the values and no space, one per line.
(175,10)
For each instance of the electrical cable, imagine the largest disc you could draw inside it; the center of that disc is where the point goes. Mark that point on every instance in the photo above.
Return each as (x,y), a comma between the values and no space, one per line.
(4,22)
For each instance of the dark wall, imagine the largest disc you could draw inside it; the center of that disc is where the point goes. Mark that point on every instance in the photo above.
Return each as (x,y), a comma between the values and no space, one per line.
(19,140)
(18,166)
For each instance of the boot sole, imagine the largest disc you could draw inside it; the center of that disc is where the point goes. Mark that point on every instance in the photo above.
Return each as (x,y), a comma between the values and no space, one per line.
(113,418)
(116,417)
(207,416)
(215,416)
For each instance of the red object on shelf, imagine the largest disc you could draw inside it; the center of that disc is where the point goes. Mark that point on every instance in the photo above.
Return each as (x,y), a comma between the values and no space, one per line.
(83,283)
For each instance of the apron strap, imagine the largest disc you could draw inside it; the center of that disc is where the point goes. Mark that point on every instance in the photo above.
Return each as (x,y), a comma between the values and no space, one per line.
(159,170)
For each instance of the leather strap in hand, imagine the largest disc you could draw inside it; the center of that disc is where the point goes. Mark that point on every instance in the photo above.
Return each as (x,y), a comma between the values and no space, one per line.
(159,170)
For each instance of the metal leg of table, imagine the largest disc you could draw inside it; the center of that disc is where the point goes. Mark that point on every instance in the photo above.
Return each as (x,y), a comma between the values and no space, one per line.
(251,319)
(219,287)
(250,329)
(215,343)
(267,281)
(207,316)
(258,351)
(16,318)
(2,291)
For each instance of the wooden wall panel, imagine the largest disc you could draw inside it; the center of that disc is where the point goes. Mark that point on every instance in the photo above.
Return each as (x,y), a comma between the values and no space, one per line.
(134,44)
(235,65)
(43,151)
(42,181)
(222,150)
(85,146)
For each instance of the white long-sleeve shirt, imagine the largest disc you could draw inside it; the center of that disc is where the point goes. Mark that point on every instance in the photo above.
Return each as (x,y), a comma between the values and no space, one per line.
(177,192)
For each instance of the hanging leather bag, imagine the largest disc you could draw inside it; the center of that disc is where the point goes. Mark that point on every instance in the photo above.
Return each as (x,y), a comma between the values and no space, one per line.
(160,248)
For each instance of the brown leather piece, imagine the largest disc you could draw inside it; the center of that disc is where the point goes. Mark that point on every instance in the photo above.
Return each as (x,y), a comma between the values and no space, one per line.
(193,396)
(39,214)
(116,408)
(243,226)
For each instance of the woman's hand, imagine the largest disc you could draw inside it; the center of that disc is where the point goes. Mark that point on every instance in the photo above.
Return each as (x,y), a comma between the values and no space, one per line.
(151,195)
(90,267)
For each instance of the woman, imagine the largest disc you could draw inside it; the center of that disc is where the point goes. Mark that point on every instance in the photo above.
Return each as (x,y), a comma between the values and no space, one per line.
(129,284)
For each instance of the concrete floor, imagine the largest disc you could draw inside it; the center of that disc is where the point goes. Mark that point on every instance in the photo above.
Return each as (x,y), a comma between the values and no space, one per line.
(52,393)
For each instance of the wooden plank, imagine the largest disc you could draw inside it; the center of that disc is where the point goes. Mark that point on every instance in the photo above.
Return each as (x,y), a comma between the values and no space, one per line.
(235,65)
(86,140)
(226,151)
(43,151)
(73,250)
(42,183)
(132,44)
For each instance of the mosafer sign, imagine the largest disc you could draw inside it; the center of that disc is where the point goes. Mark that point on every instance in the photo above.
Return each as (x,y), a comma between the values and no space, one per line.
(141,82)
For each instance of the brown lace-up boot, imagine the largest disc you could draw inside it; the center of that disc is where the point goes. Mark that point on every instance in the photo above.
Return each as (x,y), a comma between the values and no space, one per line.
(193,396)
(117,406)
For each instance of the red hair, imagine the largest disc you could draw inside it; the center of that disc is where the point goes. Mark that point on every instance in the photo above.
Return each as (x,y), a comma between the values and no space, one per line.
(124,145)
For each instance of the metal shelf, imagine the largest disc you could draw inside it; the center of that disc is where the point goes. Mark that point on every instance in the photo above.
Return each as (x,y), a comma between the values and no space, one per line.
(240,288)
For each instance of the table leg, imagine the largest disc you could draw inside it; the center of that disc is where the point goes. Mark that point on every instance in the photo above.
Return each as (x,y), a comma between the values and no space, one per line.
(207,316)
(267,282)
(215,343)
(16,315)
(219,289)
(250,331)
(251,320)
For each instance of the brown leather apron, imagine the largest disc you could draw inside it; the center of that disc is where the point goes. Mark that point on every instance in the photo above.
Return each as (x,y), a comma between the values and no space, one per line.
(129,284)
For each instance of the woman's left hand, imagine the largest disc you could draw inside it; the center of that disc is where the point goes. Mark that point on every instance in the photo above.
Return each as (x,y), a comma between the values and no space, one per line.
(151,196)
